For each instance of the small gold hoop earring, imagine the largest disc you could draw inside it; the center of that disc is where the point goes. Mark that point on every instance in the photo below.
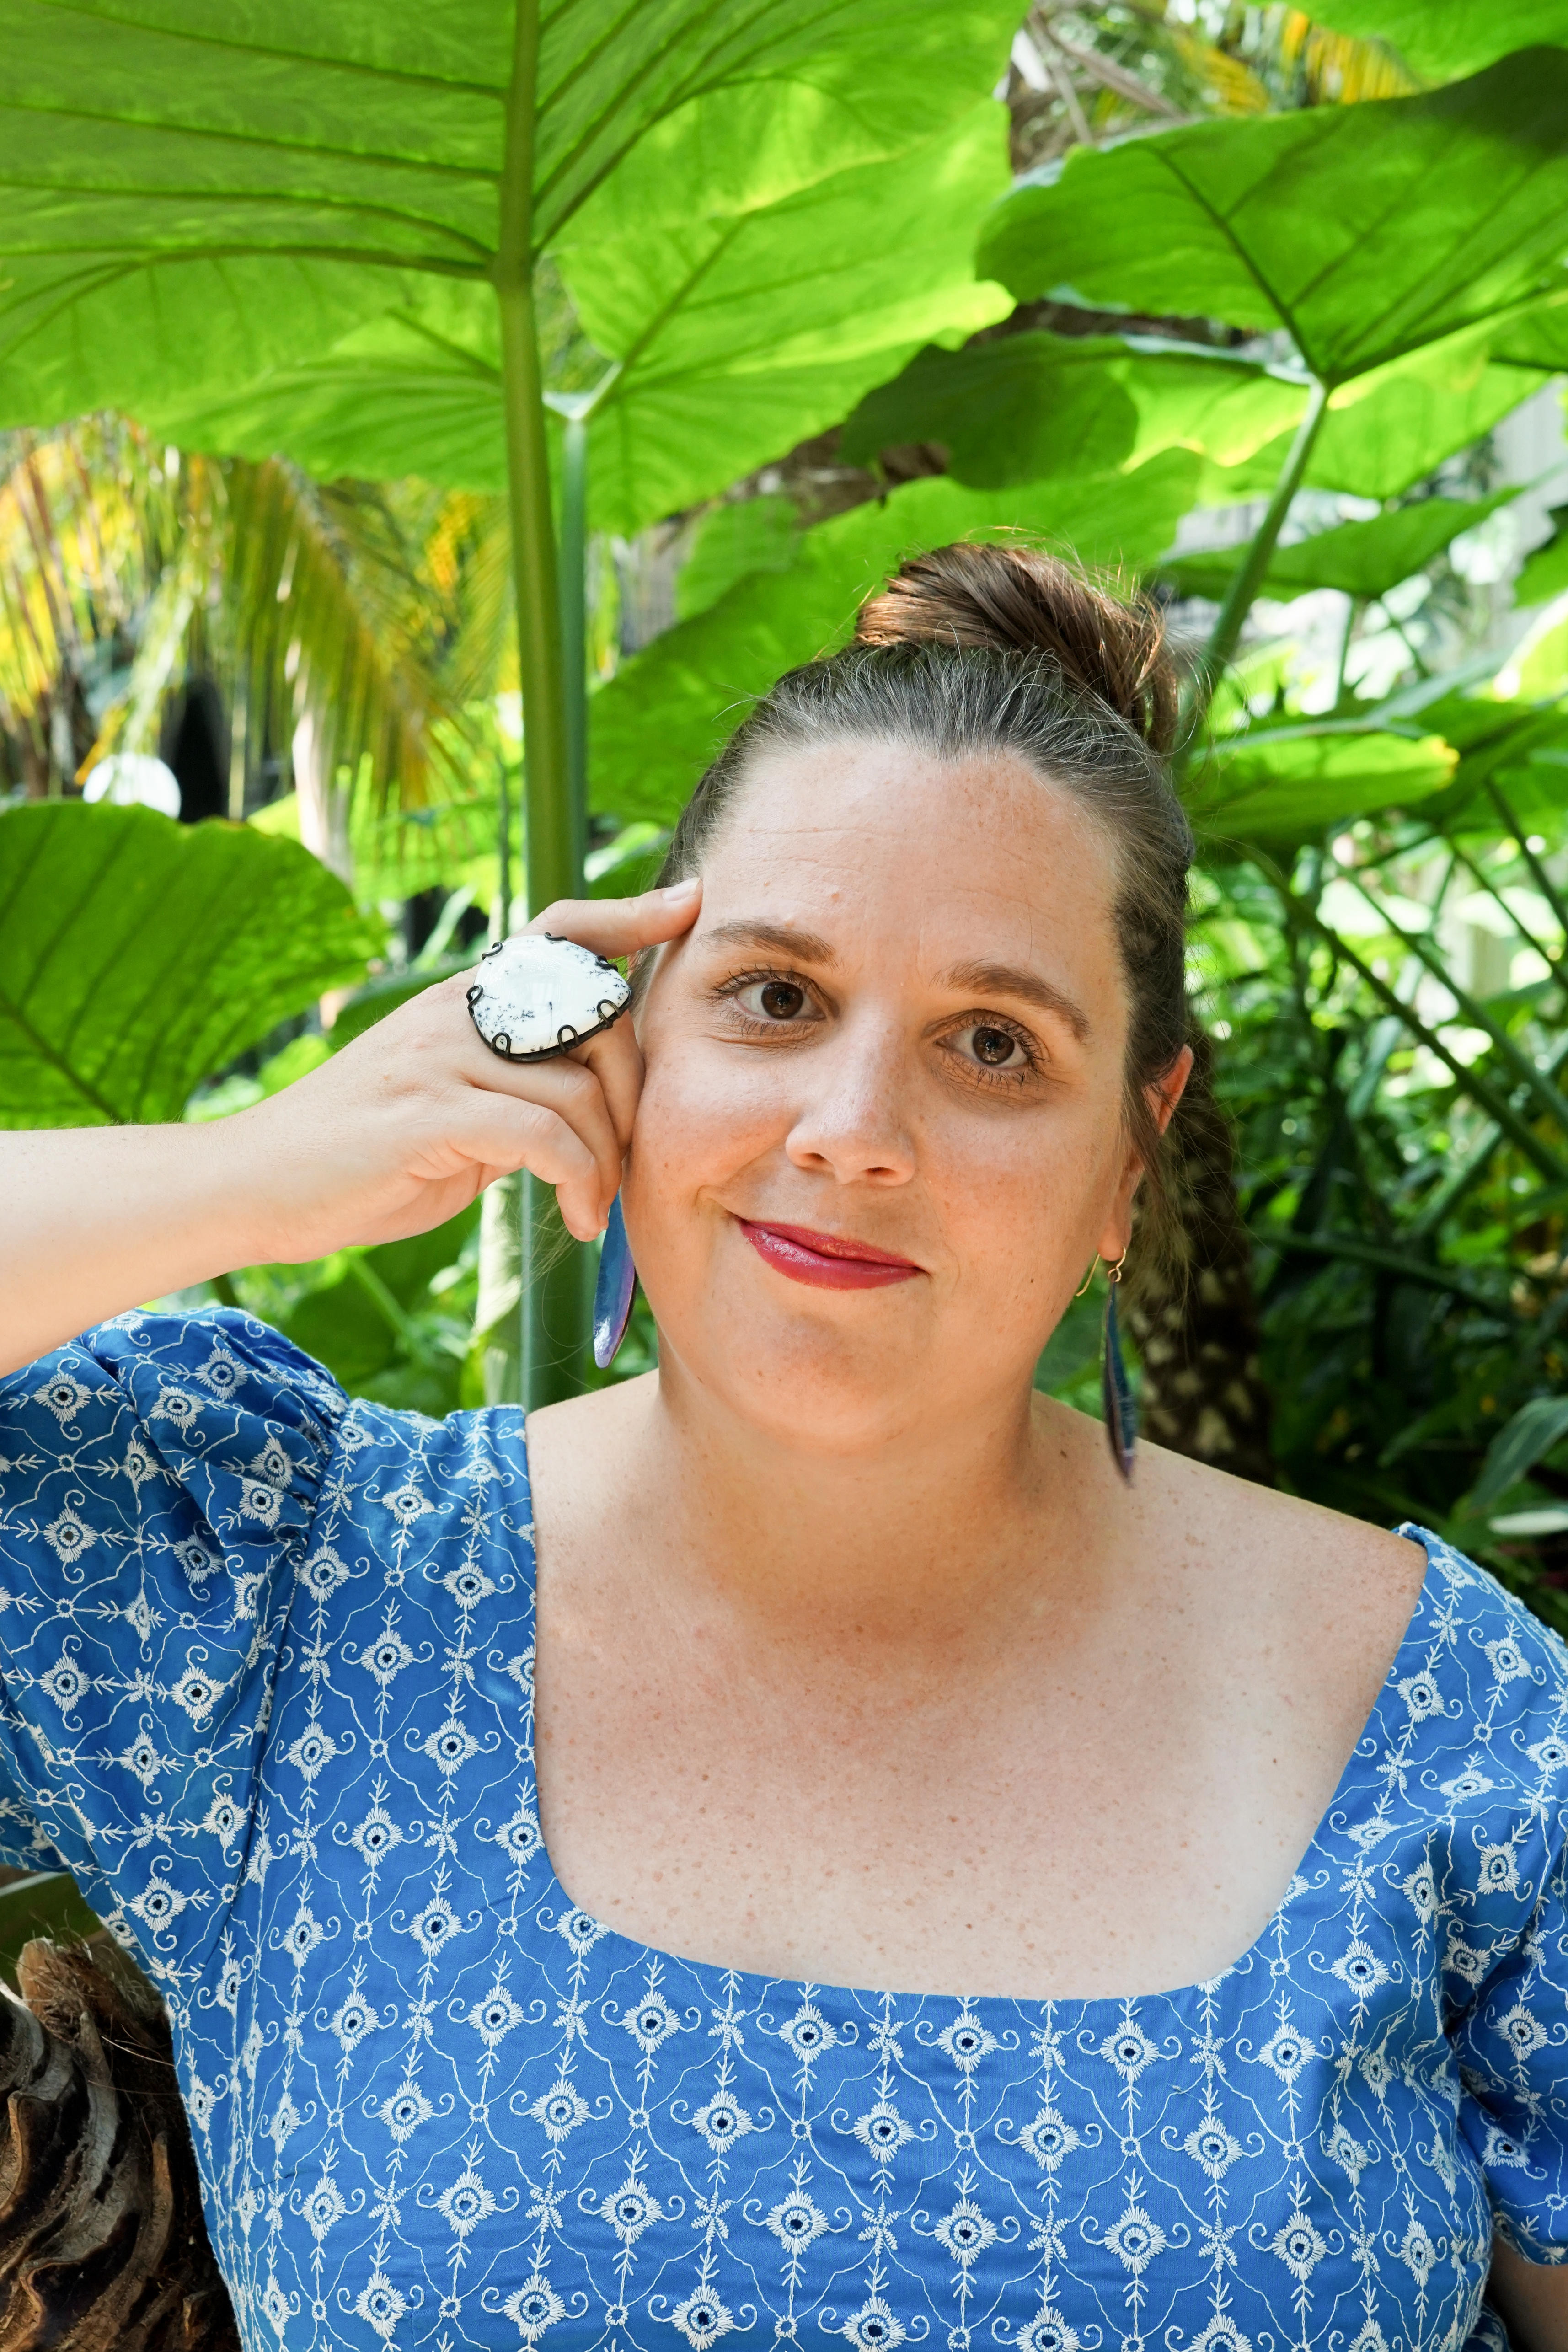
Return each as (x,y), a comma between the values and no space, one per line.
(1112,1273)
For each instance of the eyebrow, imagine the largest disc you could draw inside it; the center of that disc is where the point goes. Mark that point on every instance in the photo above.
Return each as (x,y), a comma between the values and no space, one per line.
(809,947)
(981,978)
(1010,979)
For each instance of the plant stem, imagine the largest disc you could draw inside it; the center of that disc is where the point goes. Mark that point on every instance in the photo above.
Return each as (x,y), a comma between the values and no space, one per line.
(1353,615)
(503,921)
(1245,586)
(545,756)
(573,628)
(554,1304)
(1486,1097)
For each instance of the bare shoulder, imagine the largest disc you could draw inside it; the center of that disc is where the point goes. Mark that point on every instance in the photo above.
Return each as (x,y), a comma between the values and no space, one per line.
(1289,1560)
(1258,1562)
(577,1450)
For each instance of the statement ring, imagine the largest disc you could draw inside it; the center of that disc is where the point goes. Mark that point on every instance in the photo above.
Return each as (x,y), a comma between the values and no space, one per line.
(535,995)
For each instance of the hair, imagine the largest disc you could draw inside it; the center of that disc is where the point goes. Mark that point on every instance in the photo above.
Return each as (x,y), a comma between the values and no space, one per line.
(979,649)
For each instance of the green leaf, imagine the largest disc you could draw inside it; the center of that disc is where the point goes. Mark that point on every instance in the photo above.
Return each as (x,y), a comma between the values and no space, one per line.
(1389,430)
(1362,559)
(1544,572)
(137,955)
(1365,231)
(385,993)
(733,336)
(1517,1447)
(1026,408)
(1286,784)
(738,336)
(656,724)
(1442,38)
(194,190)
(747,535)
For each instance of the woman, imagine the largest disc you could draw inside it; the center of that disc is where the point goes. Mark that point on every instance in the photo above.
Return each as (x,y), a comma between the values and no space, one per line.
(805,1967)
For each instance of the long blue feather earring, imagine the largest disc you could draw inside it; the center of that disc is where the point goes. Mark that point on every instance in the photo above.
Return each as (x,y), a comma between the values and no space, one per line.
(1121,1407)
(614,1290)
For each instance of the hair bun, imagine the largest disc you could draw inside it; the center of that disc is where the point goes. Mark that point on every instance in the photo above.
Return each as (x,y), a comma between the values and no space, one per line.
(1020,600)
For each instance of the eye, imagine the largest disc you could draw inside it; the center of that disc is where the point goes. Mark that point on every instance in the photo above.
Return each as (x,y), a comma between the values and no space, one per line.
(772,1000)
(994,1048)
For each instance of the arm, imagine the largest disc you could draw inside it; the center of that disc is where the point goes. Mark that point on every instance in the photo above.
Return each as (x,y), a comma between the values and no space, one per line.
(395,1134)
(1532,2297)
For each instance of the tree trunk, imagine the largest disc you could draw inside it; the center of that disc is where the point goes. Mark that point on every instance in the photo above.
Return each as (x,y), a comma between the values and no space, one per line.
(103,2247)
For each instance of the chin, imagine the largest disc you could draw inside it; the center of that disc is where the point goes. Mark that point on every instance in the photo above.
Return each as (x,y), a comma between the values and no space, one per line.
(807,1380)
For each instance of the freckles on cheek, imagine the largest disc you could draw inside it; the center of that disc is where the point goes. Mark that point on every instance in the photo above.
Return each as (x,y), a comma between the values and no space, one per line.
(696,1124)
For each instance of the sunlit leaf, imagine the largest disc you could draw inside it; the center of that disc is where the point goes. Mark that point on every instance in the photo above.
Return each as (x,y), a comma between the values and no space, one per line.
(1362,559)
(195,195)
(741,536)
(1284,785)
(137,955)
(1365,231)
(1024,409)
(733,336)
(1544,572)
(659,720)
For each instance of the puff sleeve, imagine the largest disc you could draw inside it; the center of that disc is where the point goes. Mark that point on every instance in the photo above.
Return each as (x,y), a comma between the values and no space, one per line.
(1512,2044)
(158,1482)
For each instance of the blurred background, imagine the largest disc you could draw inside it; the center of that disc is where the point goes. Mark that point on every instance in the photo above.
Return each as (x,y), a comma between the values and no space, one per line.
(261,710)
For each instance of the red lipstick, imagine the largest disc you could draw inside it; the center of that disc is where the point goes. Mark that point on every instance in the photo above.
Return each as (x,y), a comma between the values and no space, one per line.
(826,1260)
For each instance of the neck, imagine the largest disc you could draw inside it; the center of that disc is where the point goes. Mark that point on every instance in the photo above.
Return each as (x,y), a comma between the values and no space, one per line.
(910,1535)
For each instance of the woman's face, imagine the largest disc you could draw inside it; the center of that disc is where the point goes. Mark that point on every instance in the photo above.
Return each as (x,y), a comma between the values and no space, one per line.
(897,1027)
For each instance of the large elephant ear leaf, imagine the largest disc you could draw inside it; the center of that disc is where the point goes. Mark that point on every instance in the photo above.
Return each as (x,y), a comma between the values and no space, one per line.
(1360,559)
(196,193)
(1286,784)
(1366,231)
(660,720)
(136,956)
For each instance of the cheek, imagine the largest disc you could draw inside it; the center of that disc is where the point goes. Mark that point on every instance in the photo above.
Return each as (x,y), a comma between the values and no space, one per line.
(701,1115)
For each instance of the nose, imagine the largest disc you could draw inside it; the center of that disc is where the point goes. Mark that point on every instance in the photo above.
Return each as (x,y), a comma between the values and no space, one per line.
(852,1122)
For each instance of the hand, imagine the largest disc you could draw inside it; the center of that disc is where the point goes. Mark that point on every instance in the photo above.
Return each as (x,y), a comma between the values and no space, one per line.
(405,1126)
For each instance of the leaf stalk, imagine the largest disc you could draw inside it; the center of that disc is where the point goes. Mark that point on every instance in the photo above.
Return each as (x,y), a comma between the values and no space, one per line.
(1247,581)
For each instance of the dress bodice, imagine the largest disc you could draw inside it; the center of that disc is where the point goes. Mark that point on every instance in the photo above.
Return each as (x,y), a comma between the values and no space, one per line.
(267,1690)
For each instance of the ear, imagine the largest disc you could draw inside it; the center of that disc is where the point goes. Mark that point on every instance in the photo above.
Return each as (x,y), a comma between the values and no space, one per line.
(1166,1092)
(1163,1097)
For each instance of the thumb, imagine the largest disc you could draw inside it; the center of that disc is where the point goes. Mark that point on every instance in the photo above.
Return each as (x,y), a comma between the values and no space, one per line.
(619,927)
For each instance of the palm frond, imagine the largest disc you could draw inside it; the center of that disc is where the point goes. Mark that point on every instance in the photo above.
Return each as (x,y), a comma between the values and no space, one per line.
(1336,69)
(86,518)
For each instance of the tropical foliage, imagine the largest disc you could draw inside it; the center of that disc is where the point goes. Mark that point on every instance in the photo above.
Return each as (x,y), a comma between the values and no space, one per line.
(695,331)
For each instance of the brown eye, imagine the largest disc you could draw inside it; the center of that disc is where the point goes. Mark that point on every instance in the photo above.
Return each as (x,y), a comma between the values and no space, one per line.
(780,1000)
(993,1046)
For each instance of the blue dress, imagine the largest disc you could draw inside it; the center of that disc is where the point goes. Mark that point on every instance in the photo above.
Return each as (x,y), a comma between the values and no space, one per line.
(268,1669)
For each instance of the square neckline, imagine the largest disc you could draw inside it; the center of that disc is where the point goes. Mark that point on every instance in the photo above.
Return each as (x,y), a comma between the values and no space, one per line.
(974,2003)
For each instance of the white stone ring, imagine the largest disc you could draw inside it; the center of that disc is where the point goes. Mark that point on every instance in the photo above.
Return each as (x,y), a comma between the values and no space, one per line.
(535,995)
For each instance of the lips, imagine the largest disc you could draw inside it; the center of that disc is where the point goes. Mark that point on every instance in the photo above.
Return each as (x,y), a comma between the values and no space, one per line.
(827,1261)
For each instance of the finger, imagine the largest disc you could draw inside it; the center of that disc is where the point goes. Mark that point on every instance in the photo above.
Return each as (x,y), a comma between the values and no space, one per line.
(616,1060)
(499,1134)
(613,1058)
(573,1094)
(619,927)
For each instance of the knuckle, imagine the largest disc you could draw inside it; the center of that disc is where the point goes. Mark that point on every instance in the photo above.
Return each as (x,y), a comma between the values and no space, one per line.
(557,916)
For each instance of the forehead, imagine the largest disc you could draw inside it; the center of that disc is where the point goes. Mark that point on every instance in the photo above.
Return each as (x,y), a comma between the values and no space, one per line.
(893,837)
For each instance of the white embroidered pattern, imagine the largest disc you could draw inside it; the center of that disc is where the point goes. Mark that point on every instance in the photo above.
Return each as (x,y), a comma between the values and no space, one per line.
(269,1694)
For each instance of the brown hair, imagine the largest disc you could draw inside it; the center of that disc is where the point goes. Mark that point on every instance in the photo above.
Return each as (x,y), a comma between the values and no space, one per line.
(1006,649)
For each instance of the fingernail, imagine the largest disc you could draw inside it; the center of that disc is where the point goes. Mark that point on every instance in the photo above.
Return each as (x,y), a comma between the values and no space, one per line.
(682,889)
